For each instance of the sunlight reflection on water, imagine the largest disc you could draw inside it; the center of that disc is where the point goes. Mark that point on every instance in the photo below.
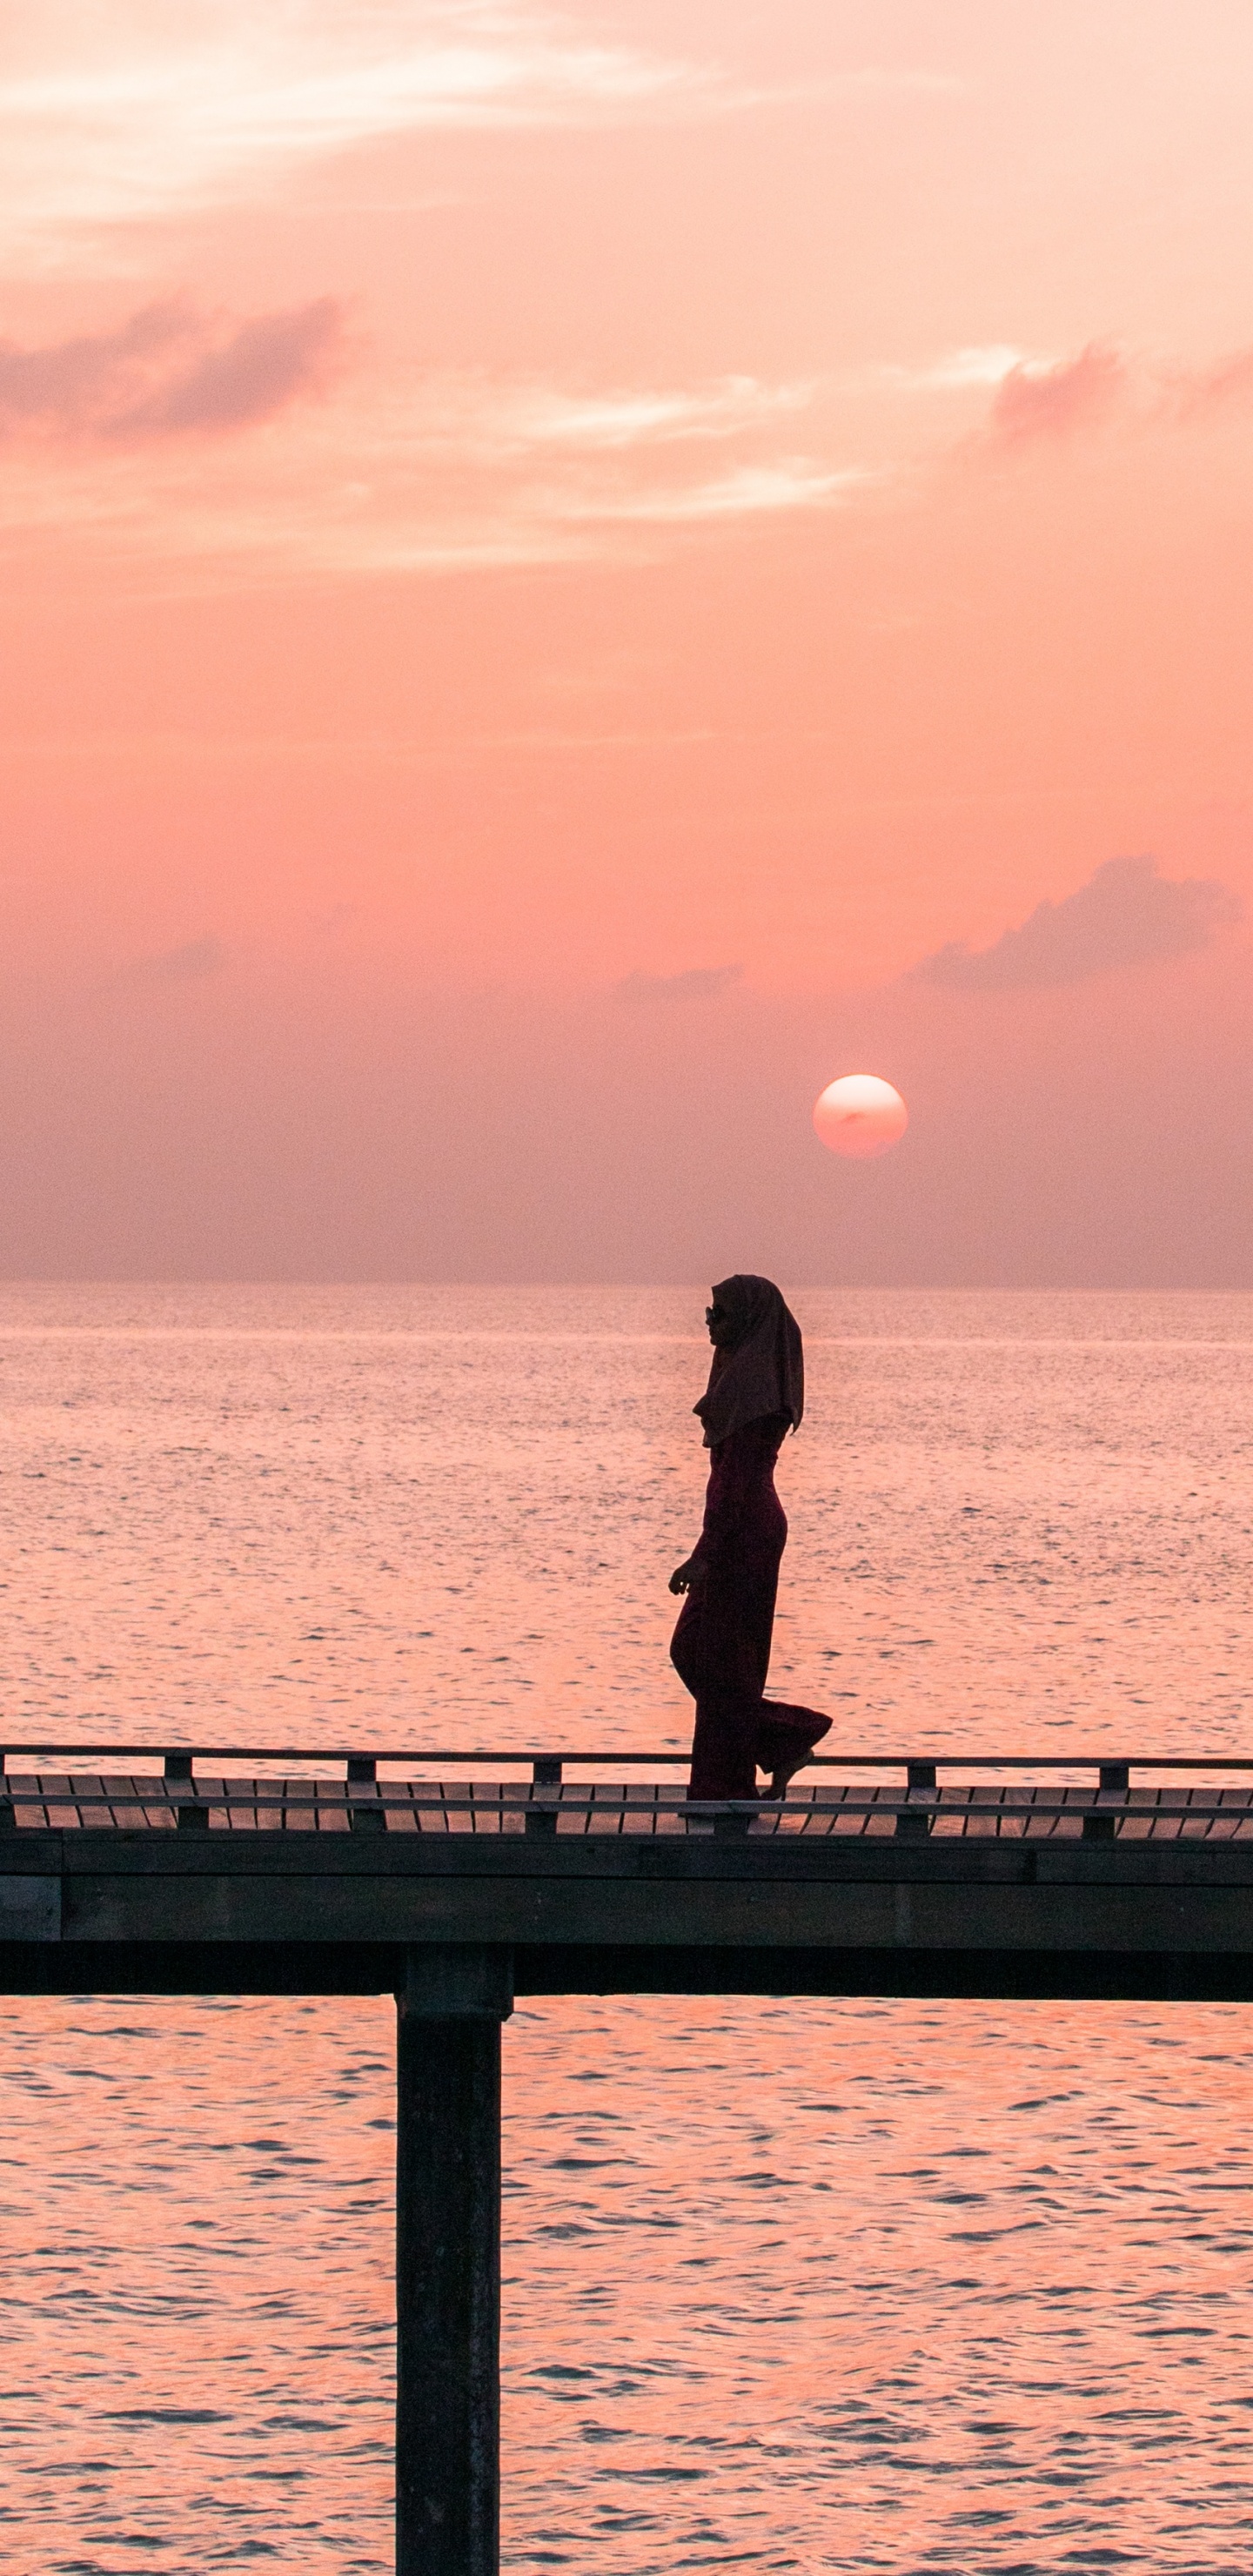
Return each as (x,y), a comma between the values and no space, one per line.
(893,2286)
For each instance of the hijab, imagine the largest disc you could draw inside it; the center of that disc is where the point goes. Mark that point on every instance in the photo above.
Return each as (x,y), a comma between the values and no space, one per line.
(761,1370)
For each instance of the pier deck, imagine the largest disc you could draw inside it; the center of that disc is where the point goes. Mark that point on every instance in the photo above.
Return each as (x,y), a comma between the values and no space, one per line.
(176,1873)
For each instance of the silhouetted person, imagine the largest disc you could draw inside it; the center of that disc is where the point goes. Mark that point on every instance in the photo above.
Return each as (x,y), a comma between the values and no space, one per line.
(721,1645)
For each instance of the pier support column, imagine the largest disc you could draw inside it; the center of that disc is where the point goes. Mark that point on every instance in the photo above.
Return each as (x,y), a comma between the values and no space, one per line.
(450,2010)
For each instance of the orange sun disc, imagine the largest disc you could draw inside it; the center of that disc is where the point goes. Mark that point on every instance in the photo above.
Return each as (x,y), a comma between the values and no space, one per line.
(860,1115)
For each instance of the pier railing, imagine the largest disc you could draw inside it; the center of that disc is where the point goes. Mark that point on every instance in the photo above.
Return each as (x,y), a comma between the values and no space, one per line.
(313,1789)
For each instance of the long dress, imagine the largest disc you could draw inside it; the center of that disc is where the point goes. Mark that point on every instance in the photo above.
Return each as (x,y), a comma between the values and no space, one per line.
(721,1645)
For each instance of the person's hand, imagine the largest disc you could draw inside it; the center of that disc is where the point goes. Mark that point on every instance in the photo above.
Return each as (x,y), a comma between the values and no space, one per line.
(687,1577)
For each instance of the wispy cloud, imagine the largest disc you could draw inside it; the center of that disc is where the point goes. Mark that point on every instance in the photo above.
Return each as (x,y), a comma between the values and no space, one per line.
(1036,401)
(958,370)
(122,117)
(792,483)
(546,418)
(422,473)
(695,984)
(1205,393)
(1126,914)
(147,112)
(495,421)
(1051,401)
(166,372)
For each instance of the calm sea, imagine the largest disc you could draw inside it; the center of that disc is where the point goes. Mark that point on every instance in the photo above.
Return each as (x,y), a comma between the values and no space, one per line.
(815,2286)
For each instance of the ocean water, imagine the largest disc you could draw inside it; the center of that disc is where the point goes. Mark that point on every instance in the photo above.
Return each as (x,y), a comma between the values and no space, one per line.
(881,2285)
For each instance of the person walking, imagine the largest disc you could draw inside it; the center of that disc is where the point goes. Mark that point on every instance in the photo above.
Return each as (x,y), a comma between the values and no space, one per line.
(721,1644)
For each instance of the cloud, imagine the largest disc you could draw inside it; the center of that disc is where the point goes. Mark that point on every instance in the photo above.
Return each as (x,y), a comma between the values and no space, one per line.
(160,374)
(540,416)
(152,113)
(147,113)
(1051,398)
(183,965)
(793,483)
(481,422)
(1125,915)
(1204,391)
(1050,402)
(123,439)
(263,366)
(696,984)
(958,370)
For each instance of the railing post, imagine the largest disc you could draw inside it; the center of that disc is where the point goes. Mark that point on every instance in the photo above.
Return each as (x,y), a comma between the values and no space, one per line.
(449,2013)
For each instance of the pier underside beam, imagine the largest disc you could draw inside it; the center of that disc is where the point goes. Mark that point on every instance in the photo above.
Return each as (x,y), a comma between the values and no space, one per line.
(449,2013)
(1113,1975)
(1008,1975)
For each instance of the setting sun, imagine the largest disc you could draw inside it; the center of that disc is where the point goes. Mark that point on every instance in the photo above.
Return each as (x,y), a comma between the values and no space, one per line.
(860,1115)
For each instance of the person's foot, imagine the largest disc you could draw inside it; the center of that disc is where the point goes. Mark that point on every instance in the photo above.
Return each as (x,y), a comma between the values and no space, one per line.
(780,1777)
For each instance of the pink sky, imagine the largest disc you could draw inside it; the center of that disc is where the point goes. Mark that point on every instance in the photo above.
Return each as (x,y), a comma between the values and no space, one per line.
(510,517)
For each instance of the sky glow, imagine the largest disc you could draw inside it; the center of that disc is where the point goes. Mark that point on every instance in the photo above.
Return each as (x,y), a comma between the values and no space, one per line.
(504,510)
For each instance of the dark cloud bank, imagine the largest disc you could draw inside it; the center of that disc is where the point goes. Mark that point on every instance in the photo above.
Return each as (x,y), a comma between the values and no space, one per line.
(167,372)
(1125,915)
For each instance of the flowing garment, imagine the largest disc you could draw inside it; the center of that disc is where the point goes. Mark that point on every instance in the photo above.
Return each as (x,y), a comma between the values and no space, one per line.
(721,1645)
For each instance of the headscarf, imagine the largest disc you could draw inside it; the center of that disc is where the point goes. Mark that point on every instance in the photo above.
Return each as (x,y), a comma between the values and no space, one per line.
(762,1370)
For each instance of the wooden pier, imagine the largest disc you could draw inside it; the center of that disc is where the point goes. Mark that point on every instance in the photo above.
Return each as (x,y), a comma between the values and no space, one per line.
(439,1879)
